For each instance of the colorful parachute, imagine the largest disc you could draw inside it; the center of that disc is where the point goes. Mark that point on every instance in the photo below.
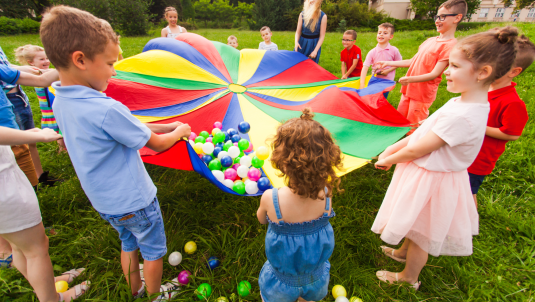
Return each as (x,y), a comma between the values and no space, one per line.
(197,81)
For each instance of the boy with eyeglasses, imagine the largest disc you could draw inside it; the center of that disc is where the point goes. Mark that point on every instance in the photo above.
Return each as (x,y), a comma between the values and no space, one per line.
(420,84)
(351,56)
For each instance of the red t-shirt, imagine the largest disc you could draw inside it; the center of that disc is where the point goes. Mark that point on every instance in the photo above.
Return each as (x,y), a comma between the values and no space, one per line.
(348,56)
(508,113)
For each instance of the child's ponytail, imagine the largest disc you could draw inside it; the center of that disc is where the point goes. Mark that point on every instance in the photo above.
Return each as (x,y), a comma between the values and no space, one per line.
(496,47)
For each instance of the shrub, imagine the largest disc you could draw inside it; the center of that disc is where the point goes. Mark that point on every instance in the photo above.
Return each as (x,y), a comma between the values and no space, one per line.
(9,26)
(131,17)
(187,25)
(29,26)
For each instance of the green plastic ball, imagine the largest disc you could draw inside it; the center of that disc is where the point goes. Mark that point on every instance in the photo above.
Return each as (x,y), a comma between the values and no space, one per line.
(257,162)
(227,145)
(214,164)
(200,139)
(219,137)
(244,288)
(239,187)
(204,134)
(243,144)
(204,291)
(237,160)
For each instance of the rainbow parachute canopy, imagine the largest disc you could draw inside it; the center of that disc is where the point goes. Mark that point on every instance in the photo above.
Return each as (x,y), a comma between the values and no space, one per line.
(197,81)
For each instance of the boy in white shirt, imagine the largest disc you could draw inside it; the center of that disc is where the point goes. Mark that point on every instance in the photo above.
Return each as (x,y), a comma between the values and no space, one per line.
(267,44)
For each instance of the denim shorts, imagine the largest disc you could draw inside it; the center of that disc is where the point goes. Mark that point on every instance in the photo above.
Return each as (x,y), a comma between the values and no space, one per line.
(22,110)
(475,182)
(273,289)
(142,229)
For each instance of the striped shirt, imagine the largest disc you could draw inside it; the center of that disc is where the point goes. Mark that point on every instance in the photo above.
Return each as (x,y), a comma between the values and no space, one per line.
(271,46)
(48,120)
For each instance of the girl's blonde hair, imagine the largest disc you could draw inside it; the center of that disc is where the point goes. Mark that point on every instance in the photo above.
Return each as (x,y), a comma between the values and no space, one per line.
(169,9)
(26,53)
(311,14)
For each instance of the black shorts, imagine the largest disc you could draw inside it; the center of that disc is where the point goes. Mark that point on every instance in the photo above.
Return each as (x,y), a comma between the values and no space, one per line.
(475,182)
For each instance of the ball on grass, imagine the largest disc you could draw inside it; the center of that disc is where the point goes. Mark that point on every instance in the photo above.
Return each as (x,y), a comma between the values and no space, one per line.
(341,299)
(213,262)
(204,291)
(190,247)
(175,258)
(62,286)
(339,291)
(183,277)
(355,299)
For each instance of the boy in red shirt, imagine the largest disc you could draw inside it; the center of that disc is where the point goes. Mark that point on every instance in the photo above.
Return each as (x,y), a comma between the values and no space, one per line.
(351,56)
(507,118)
(420,84)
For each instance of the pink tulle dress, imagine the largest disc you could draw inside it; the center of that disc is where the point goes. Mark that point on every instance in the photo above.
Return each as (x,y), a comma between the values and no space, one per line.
(429,200)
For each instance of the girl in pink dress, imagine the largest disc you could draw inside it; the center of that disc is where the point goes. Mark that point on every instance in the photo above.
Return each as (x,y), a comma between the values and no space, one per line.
(429,202)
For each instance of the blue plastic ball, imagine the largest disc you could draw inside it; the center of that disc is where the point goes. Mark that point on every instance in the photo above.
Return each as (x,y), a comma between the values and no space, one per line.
(206,158)
(244,127)
(220,145)
(226,161)
(213,262)
(217,150)
(263,184)
(227,137)
(235,138)
(232,131)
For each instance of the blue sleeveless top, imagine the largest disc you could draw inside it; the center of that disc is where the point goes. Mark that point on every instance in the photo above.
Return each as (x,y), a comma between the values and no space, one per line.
(299,252)
(307,33)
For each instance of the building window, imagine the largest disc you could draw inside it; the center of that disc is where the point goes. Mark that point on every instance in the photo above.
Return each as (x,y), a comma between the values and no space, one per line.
(483,13)
(499,13)
(531,13)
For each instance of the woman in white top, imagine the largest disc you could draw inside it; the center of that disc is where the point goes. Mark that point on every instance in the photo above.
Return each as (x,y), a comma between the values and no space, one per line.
(172,30)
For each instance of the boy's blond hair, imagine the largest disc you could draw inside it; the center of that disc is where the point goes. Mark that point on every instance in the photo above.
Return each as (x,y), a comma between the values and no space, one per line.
(526,53)
(65,30)
(26,53)
(388,25)
(352,33)
(265,28)
(456,7)
(232,38)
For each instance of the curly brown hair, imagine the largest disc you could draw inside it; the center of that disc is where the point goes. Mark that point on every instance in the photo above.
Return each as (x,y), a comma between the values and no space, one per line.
(306,155)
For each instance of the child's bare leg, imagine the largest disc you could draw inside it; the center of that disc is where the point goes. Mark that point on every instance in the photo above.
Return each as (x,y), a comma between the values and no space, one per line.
(36,160)
(32,245)
(5,248)
(475,199)
(416,260)
(130,264)
(402,251)
(152,271)
(303,300)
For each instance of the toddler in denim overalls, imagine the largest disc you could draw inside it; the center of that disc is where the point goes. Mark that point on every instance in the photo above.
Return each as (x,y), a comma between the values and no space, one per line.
(298,248)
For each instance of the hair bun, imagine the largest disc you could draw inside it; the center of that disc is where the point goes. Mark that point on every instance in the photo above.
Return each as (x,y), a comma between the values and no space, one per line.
(307,114)
(507,35)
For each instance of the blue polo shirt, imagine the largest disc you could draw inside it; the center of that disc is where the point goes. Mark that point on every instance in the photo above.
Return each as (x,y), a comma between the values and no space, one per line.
(103,139)
(7,117)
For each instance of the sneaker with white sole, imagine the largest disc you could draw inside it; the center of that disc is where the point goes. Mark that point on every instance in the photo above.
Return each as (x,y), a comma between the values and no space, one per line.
(169,290)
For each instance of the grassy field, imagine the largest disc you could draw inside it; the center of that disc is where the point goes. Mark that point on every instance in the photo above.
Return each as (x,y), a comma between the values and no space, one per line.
(502,267)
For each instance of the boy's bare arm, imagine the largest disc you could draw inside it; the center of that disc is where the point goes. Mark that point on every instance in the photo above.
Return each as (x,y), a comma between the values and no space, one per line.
(163,128)
(12,137)
(344,69)
(497,133)
(363,75)
(163,142)
(353,66)
(439,68)
(44,80)
(402,63)
(385,72)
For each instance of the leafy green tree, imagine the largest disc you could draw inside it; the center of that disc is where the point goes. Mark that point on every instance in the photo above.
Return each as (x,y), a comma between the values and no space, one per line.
(20,9)
(520,4)
(187,9)
(274,13)
(429,8)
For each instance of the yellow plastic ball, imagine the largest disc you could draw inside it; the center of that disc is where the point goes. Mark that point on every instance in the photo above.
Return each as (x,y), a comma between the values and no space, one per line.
(62,286)
(198,148)
(190,247)
(262,153)
(355,299)
(339,291)
(215,130)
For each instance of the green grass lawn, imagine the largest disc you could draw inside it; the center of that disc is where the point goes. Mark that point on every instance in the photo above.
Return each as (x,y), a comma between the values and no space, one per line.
(502,267)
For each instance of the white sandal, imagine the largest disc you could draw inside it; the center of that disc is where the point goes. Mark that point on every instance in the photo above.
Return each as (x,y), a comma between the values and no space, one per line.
(73,273)
(391,255)
(79,290)
(383,276)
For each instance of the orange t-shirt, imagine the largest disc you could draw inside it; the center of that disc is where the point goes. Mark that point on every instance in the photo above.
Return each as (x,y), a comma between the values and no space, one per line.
(429,54)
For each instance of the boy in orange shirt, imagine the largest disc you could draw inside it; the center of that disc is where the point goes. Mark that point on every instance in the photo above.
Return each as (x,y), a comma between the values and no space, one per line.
(420,84)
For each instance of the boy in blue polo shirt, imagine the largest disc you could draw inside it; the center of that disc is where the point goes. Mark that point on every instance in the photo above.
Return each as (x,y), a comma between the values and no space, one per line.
(103,139)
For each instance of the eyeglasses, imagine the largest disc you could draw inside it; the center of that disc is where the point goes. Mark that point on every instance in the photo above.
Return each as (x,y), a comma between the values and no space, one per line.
(345,40)
(443,17)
